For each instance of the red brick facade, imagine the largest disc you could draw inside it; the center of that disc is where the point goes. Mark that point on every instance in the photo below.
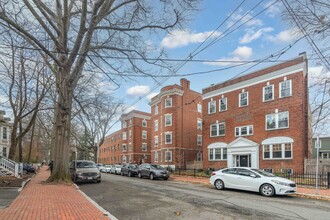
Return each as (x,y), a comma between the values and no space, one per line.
(175,112)
(110,151)
(266,134)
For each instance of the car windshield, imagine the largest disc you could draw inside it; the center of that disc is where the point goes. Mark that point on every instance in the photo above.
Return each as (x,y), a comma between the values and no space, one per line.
(118,166)
(86,164)
(133,166)
(156,166)
(263,173)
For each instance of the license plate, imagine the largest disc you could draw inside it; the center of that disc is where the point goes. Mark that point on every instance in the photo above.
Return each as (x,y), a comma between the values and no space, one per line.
(89,178)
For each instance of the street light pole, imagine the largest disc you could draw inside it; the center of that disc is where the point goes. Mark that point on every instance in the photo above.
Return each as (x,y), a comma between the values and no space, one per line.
(317,163)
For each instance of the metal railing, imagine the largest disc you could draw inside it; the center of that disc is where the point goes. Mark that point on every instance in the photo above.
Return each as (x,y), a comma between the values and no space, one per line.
(16,169)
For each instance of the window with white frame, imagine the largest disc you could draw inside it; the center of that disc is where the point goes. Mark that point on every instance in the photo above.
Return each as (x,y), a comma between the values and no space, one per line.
(199,140)
(144,123)
(156,125)
(268,93)
(168,102)
(168,156)
(168,138)
(130,147)
(130,134)
(130,122)
(277,151)
(277,120)
(217,154)
(156,110)
(199,108)
(144,146)
(222,104)
(199,124)
(217,129)
(156,141)
(124,159)
(144,134)
(325,155)
(244,130)
(124,136)
(156,156)
(211,107)
(168,119)
(243,99)
(199,156)
(124,148)
(4,151)
(130,158)
(4,133)
(285,88)
(124,124)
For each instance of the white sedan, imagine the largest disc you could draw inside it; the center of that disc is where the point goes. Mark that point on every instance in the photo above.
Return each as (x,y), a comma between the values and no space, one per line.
(250,179)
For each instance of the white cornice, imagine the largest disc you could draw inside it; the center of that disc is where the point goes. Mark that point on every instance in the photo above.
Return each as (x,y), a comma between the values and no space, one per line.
(173,91)
(135,115)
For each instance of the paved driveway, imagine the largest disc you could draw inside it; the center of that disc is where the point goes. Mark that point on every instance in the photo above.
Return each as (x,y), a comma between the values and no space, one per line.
(133,198)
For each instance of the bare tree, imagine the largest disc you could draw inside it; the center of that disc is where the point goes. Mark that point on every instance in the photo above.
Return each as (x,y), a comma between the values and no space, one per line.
(107,34)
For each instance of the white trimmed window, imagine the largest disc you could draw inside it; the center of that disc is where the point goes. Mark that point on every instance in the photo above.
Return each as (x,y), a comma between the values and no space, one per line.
(277,151)
(199,140)
(217,153)
(124,136)
(199,156)
(268,93)
(4,133)
(130,158)
(144,123)
(168,138)
(285,88)
(277,121)
(199,124)
(243,99)
(156,141)
(325,155)
(168,156)
(244,130)
(124,159)
(199,107)
(156,110)
(168,119)
(130,122)
(144,134)
(211,107)
(130,147)
(222,104)
(156,156)
(130,134)
(144,146)
(124,148)
(218,129)
(156,125)
(168,102)
(124,124)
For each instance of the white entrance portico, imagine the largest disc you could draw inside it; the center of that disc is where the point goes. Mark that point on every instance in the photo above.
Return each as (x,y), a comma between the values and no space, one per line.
(243,153)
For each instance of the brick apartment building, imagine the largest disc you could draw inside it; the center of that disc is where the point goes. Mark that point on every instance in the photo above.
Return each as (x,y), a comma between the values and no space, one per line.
(259,120)
(131,144)
(176,115)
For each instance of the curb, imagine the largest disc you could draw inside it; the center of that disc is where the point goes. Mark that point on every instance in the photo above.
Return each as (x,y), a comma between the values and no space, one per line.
(23,185)
(105,212)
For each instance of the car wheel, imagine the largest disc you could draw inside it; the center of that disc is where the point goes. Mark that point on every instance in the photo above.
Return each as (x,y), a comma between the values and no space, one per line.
(267,190)
(139,175)
(166,178)
(151,176)
(129,174)
(218,184)
(115,172)
(98,181)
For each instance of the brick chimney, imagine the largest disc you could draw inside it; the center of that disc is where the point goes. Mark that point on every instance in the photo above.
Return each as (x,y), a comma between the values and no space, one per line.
(185,83)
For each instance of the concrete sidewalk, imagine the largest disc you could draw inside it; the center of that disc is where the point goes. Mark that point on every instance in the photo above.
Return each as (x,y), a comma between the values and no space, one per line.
(323,194)
(40,200)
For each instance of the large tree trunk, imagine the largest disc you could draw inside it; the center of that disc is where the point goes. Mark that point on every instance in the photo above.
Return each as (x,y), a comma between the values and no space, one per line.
(31,143)
(13,143)
(20,142)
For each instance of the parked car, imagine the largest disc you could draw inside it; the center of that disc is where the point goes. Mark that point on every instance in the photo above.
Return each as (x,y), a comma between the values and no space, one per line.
(152,171)
(106,168)
(28,168)
(116,169)
(130,169)
(250,179)
(84,171)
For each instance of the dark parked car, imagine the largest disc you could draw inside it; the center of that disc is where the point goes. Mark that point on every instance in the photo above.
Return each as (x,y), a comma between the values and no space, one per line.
(130,169)
(27,168)
(152,171)
(84,171)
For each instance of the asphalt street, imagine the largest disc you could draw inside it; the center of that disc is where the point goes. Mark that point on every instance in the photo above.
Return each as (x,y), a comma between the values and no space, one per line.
(134,198)
(7,195)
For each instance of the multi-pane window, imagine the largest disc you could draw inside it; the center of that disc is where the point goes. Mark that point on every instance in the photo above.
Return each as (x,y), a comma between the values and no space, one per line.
(218,129)
(277,151)
(199,156)
(130,134)
(156,156)
(244,130)
(243,99)
(285,88)
(4,151)
(124,136)
(144,146)
(211,107)
(124,159)
(130,147)
(168,138)
(199,124)
(277,120)
(4,133)
(217,154)
(156,110)
(124,148)
(222,104)
(168,156)
(130,122)
(199,140)
(156,125)
(268,93)
(156,141)
(199,107)
(168,102)
(144,123)
(325,155)
(124,124)
(168,120)
(144,134)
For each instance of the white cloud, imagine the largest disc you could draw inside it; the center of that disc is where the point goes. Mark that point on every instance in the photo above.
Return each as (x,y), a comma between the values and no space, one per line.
(180,38)
(239,54)
(252,35)
(138,90)
(285,36)
(240,15)
(151,95)
(317,74)
(273,10)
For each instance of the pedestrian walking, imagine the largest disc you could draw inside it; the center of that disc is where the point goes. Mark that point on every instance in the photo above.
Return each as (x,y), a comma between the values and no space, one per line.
(51,164)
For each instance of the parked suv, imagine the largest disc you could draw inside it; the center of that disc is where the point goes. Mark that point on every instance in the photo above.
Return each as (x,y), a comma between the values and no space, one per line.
(84,171)
(116,169)
(152,171)
(130,169)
